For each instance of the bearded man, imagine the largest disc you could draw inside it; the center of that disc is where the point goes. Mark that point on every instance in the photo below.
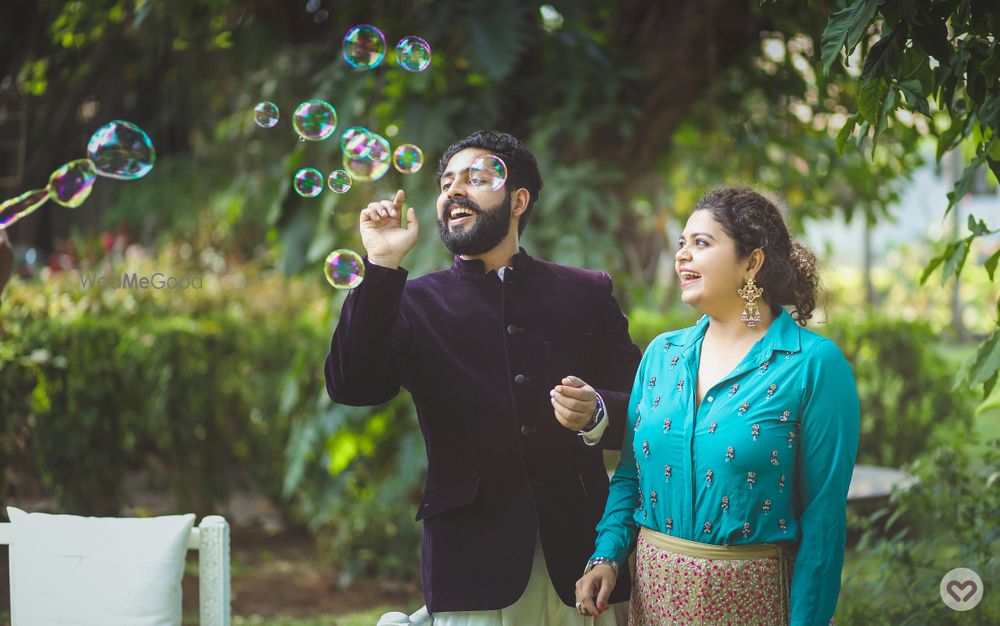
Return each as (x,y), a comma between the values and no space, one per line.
(515,483)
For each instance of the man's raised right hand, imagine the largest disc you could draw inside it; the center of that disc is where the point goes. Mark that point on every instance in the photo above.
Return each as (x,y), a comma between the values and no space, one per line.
(385,240)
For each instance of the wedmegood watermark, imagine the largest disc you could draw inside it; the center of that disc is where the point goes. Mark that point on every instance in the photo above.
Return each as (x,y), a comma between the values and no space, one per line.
(961,589)
(157,280)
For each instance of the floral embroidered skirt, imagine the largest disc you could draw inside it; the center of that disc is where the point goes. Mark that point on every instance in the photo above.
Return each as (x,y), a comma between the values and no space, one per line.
(684,582)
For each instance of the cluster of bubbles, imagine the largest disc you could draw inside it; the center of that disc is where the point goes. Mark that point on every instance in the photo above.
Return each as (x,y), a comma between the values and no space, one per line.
(364,49)
(118,149)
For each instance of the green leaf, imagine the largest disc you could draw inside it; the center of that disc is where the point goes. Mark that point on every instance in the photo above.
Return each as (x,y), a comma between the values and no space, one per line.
(964,184)
(956,260)
(845,133)
(989,112)
(994,166)
(887,107)
(885,56)
(991,264)
(845,29)
(934,263)
(987,360)
(870,99)
(915,96)
(949,138)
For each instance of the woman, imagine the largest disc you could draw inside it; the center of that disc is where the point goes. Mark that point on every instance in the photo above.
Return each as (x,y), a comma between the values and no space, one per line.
(743,440)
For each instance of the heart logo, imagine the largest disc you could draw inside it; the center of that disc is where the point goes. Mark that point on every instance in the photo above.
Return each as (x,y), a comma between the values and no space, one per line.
(954,587)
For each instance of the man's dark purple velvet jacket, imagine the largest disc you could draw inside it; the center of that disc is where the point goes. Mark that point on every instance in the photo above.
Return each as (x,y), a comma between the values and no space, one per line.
(479,356)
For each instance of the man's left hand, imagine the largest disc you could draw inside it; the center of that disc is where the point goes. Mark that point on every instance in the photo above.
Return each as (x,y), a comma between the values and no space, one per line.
(573,402)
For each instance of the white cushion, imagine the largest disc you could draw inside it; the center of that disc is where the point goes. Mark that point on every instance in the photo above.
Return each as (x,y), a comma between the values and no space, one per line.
(68,570)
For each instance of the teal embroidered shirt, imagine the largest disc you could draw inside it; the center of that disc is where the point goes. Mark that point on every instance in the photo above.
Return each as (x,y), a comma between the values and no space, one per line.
(767,457)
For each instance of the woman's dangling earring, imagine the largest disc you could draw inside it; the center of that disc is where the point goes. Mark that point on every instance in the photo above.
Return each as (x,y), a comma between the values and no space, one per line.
(751,293)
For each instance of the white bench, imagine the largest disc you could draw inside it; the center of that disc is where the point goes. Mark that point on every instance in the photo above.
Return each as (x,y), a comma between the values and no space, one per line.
(211,540)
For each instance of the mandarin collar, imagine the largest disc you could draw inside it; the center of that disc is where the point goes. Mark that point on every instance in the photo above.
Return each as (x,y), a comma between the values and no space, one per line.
(475,269)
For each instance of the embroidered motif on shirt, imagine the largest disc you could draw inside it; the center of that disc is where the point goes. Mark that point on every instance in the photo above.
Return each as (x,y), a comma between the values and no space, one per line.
(730,453)
(645,448)
(764,366)
(707,528)
(652,381)
(656,402)
(791,437)
(766,507)
(746,529)
(734,389)
(771,390)
(652,496)
(754,431)
(785,415)
(744,407)
(680,385)
(673,361)
(638,419)
(708,476)
(751,478)
(670,524)
(666,472)
(774,457)
(638,472)
(666,346)
(666,424)
(725,503)
(712,427)
(781,524)
(781,483)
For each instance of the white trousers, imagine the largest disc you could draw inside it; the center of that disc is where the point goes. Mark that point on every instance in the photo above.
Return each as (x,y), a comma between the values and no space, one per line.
(538,606)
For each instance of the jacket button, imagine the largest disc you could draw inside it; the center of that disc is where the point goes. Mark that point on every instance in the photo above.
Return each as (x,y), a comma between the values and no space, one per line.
(527,430)
(514,330)
(520,379)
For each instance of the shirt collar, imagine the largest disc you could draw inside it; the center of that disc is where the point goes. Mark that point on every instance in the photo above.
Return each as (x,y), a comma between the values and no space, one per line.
(782,336)
(475,269)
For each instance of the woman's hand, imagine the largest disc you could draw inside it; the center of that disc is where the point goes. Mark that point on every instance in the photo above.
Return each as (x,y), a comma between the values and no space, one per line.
(594,589)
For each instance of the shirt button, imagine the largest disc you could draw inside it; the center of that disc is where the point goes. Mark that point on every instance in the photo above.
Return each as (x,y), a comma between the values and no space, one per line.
(514,330)
(710,398)
(527,430)
(520,379)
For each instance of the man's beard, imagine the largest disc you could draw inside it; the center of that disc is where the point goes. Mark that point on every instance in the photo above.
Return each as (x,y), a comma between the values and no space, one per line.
(488,229)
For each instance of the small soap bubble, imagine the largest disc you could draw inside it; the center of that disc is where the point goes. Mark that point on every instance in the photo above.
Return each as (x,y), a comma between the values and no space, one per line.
(25,204)
(408,158)
(308,182)
(70,185)
(488,171)
(365,169)
(315,120)
(266,114)
(413,54)
(364,47)
(356,142)
(312,5)
(121,150)
(339,181)
(344,269)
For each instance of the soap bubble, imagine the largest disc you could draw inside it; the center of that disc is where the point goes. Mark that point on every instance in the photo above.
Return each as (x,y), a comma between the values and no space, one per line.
(364,47)
(308,182)
(375,164)
(339,181)
(344,269)
(315,120)
(25,204)
(408,158)
(356,142)
(488,171)
(266,114)
(121,150)
(70,185)
(413,54)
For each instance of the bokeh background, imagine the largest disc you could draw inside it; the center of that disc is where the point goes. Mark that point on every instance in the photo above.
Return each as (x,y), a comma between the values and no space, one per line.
(875,122)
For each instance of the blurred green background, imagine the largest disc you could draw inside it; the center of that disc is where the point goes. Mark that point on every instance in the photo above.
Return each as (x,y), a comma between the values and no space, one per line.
(875,121)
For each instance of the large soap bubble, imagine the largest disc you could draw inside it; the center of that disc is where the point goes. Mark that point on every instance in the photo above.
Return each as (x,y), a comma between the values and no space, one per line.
(70,185)
(344,269)
(315,120)
(364,47)
(121,150)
